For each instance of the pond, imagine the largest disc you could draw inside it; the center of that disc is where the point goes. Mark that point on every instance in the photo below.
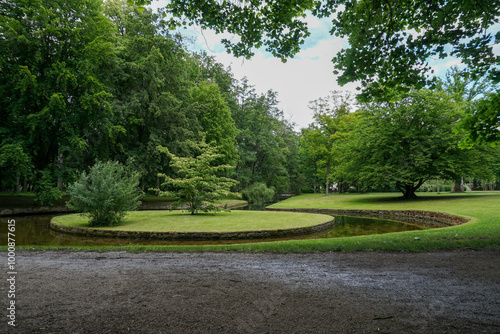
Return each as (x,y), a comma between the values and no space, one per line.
(35,230)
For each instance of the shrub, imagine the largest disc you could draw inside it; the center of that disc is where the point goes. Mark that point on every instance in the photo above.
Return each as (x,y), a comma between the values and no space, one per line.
(307,190)
(258,193)
(46,193)
(105,194)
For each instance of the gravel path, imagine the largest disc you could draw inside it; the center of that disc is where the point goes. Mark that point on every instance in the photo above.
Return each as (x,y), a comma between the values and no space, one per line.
(119,292)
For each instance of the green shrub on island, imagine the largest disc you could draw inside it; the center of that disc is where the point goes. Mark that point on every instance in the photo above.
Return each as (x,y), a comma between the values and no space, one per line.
(258,193)
(105,194)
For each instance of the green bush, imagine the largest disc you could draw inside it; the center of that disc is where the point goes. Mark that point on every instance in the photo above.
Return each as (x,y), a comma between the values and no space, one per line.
(46,193)
(105,194)
(307,190)
(258,193)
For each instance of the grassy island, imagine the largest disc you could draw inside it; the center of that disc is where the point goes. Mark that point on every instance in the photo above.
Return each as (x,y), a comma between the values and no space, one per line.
(177,221)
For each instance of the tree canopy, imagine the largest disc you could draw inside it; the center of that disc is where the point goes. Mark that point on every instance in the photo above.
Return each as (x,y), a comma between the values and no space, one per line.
(91,80)
(407,142)
(391,42)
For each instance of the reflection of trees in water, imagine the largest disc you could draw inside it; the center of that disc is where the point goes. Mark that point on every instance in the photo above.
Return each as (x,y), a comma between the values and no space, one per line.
(353,226)
(28,228)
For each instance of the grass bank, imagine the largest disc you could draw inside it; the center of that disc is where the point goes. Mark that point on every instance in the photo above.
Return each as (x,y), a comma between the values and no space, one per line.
(482,231)
(176,221)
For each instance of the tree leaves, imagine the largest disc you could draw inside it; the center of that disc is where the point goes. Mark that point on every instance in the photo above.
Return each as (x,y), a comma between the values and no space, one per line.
(199,179)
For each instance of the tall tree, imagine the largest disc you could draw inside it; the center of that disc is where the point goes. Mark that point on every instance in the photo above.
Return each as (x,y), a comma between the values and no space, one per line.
(407,142)
(215,118)
(327,132)
(52,98)
(265,140)
(482,121)
(14,161)
(150,82)
(471,93)
(206,68)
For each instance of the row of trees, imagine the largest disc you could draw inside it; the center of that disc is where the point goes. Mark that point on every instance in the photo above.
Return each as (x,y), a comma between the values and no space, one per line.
(399,144)
(86,81)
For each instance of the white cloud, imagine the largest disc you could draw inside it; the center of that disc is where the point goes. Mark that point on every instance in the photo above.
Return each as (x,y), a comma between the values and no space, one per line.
(304,78)
(297,81)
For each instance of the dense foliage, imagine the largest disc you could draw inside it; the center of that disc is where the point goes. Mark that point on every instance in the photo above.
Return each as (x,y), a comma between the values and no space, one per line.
(397,145)
(390,41)
(258,193)
(199,180)
(105,194)
(90,80)
(86,81)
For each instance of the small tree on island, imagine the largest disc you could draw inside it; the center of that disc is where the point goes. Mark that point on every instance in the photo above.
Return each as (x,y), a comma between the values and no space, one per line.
(105,194)
(200,180)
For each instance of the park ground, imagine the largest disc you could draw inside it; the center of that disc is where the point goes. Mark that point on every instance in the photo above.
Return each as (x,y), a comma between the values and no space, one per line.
(62,291)
(453,288)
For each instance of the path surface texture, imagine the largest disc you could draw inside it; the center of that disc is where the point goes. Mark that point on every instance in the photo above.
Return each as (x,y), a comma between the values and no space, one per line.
(120,292)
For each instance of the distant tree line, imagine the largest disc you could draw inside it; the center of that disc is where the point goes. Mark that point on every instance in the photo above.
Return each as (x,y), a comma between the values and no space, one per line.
(401,144)
(87,81)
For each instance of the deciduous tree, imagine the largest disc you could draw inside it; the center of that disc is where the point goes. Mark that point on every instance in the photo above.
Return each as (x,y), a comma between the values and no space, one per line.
(391,42)
(407,142)
(51,93)
(199,179)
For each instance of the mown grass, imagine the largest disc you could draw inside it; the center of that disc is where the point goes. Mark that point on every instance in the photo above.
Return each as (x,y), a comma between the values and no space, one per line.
(175,221)
(482,231)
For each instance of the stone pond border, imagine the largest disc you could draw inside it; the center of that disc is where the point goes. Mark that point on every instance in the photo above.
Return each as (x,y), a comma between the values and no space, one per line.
(431,219)
(192,236)
(40,210)
(417,217)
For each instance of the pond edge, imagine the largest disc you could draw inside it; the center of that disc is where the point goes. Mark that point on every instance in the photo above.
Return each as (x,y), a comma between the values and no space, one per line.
(192,236)
(431,219)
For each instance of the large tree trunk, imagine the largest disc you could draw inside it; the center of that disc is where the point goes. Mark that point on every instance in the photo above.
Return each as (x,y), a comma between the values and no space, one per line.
(18,183)
(457,187)
(409,189)
(409,192)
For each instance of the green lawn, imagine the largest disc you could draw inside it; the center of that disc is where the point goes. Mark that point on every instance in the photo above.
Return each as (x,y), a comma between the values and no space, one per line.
(482,231)
(175,221)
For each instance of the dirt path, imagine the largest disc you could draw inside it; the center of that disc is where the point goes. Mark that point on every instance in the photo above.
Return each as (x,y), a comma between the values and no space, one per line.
(118,292)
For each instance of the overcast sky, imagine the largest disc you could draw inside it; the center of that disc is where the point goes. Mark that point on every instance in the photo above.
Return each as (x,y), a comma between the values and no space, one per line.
(304,78)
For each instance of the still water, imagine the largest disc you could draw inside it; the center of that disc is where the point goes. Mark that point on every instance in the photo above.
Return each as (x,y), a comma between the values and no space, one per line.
(35,230)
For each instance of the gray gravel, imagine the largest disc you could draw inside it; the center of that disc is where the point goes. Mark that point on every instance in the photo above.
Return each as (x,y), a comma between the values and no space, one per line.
(119,292)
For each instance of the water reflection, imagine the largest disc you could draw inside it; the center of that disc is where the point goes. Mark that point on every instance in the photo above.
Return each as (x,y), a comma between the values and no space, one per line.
(346,226)
(35,230)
